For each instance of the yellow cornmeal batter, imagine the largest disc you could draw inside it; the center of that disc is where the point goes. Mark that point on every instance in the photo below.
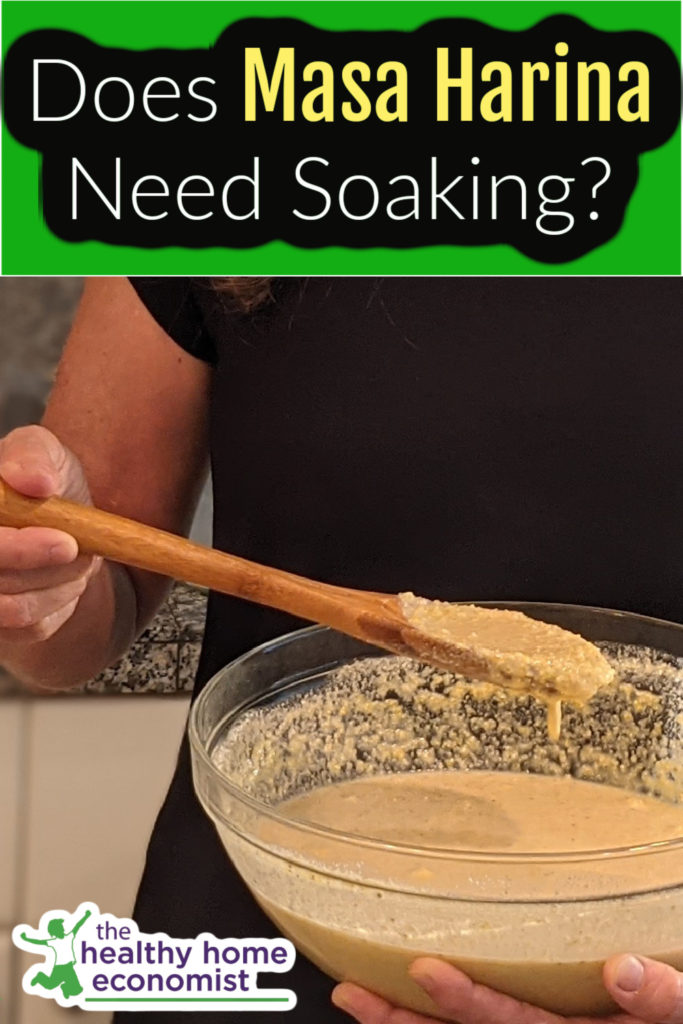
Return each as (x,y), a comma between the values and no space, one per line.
(544,952)
(511,650)
(409,735)
(492,812)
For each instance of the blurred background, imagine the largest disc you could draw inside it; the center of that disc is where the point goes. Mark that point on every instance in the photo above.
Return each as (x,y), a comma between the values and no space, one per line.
(82,774)
(35,314)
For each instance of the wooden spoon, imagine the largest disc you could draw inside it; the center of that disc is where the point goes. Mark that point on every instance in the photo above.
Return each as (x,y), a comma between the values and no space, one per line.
(379,619)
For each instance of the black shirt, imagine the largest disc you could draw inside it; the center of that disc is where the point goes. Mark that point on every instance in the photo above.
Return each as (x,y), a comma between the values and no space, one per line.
(467,439)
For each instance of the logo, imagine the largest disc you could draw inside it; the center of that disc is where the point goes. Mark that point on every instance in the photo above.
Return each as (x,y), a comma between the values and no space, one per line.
(101,962)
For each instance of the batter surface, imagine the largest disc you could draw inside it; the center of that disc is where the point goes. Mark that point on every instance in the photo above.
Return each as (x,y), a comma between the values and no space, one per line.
(490,811)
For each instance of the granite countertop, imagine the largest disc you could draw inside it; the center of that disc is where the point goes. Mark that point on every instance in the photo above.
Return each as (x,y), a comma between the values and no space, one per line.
(164,659)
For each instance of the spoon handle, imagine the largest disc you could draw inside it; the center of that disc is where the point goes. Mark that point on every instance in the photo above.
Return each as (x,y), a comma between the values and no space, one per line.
(145,547)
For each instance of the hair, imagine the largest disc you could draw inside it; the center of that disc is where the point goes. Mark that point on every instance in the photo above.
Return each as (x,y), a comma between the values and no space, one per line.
(245,294)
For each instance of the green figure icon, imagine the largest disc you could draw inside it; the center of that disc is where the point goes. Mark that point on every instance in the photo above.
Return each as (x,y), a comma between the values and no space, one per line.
(63,970)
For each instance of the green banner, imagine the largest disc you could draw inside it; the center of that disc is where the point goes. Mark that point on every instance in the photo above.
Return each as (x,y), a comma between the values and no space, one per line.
(646,241)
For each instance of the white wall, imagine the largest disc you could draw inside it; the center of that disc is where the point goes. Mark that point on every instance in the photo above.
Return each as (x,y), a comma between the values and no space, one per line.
(81,781)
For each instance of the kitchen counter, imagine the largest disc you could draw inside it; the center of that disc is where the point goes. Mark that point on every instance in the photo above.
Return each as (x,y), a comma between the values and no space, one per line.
(163,661)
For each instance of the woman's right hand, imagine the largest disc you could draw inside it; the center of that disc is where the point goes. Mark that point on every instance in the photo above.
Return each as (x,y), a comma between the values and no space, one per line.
(42,574)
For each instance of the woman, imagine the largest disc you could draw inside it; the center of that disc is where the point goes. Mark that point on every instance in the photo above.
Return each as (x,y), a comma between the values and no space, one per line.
(462,438)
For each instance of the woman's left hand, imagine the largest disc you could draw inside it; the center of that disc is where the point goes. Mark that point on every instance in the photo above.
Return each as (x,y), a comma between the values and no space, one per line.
(649,992)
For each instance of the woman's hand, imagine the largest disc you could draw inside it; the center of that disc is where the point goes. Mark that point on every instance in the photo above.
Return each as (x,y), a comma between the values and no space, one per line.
(130,410)
(649,992)
(42,574)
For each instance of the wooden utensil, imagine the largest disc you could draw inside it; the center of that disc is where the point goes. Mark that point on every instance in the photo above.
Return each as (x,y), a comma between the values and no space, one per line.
(372,617)
(502,646)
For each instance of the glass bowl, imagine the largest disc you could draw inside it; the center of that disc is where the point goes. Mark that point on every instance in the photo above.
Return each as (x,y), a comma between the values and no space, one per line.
(291,715)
